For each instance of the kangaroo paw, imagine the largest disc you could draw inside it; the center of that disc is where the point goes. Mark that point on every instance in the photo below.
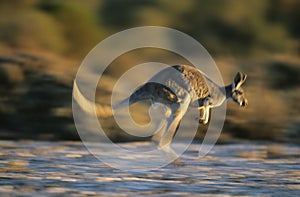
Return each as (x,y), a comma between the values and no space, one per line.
(203,121)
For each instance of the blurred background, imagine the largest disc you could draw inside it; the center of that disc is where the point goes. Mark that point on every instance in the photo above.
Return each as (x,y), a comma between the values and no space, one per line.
(42,44)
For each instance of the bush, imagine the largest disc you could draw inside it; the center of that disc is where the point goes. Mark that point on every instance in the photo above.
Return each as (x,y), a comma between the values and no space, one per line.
(79,26)
(28,28)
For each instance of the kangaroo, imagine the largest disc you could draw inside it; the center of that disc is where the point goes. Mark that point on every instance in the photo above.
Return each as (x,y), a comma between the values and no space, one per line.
(179,87)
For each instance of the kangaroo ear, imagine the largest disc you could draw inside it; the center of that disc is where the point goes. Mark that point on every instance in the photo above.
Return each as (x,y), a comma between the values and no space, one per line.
(239,79)
(244,78)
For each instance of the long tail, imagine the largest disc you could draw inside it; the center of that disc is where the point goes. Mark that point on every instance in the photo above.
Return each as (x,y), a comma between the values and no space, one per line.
(88,106)
(104,111)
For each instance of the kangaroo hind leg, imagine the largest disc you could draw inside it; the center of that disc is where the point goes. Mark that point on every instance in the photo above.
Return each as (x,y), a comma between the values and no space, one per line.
(178,112)
(141,93)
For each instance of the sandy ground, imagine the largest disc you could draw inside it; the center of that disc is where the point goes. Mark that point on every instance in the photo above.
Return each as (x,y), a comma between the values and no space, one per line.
(67,168)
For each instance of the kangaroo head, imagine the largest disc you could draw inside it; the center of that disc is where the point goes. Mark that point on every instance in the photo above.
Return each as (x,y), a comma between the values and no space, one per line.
(237,93)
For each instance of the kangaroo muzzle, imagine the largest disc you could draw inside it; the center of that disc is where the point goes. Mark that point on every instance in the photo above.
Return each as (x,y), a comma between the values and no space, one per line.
(244,103)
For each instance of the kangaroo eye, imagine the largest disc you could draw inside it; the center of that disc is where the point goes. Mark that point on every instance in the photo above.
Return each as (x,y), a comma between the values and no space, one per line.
(237,92)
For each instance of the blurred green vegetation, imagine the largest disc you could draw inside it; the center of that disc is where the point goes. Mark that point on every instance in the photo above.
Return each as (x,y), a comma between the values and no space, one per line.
(43,41)
(224,27)
(73,27)
(67,27)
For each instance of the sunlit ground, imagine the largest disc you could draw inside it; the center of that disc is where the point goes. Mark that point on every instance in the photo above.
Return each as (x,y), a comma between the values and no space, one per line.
(56,168)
